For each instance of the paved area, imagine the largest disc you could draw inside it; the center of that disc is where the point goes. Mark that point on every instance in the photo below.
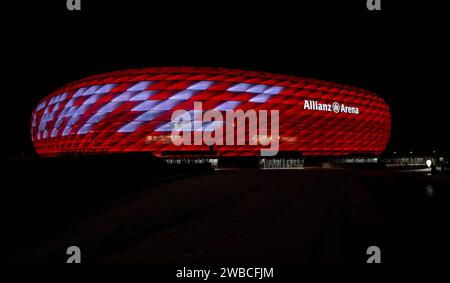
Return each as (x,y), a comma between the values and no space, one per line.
(310,215)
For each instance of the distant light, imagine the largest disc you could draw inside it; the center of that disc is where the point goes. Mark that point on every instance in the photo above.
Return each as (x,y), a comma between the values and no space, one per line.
(428,163)
(395,152)
(410,152)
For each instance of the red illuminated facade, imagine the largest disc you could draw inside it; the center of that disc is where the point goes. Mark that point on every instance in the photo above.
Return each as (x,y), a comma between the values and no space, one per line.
(130,111)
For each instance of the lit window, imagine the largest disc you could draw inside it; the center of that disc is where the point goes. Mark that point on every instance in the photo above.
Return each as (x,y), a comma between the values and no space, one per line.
(148,116)
(73,120)
(105,89)
(92,99)
(257,89)
(274,90)
(79,92)
(140,86)
(91,90)
(85,129)
(81,110)
(130,127)
(56,107)
(143,95)
(51,116)
(54,132)
(71,111)
(167,105)
(146,105)
(184,94)
(201,85)
(124,96)
(261,98)
(56,99)
(70,103)
(58,122)
(228,105)
(62,97)
(66,131)
(96,118)
(41,106)
(240,87)
(52,100)
(109,107)
(34,120)
(62,113)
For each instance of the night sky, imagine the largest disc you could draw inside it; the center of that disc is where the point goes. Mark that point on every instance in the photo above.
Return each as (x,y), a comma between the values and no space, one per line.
(400,53)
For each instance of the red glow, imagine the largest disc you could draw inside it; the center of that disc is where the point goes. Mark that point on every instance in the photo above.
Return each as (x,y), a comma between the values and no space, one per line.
(309,131)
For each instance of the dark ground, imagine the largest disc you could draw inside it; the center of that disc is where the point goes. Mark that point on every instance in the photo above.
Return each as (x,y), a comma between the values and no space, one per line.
(310,215)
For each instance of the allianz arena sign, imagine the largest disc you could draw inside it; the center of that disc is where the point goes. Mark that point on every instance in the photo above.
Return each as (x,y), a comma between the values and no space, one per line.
(335,107)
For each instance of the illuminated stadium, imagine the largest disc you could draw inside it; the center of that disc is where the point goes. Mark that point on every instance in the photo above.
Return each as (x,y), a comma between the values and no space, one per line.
(131,111)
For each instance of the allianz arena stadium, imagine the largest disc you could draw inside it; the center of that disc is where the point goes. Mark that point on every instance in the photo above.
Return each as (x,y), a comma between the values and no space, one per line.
(131,111)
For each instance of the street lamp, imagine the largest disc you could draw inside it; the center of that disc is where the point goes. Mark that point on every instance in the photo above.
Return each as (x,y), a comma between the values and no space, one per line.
(428,162)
